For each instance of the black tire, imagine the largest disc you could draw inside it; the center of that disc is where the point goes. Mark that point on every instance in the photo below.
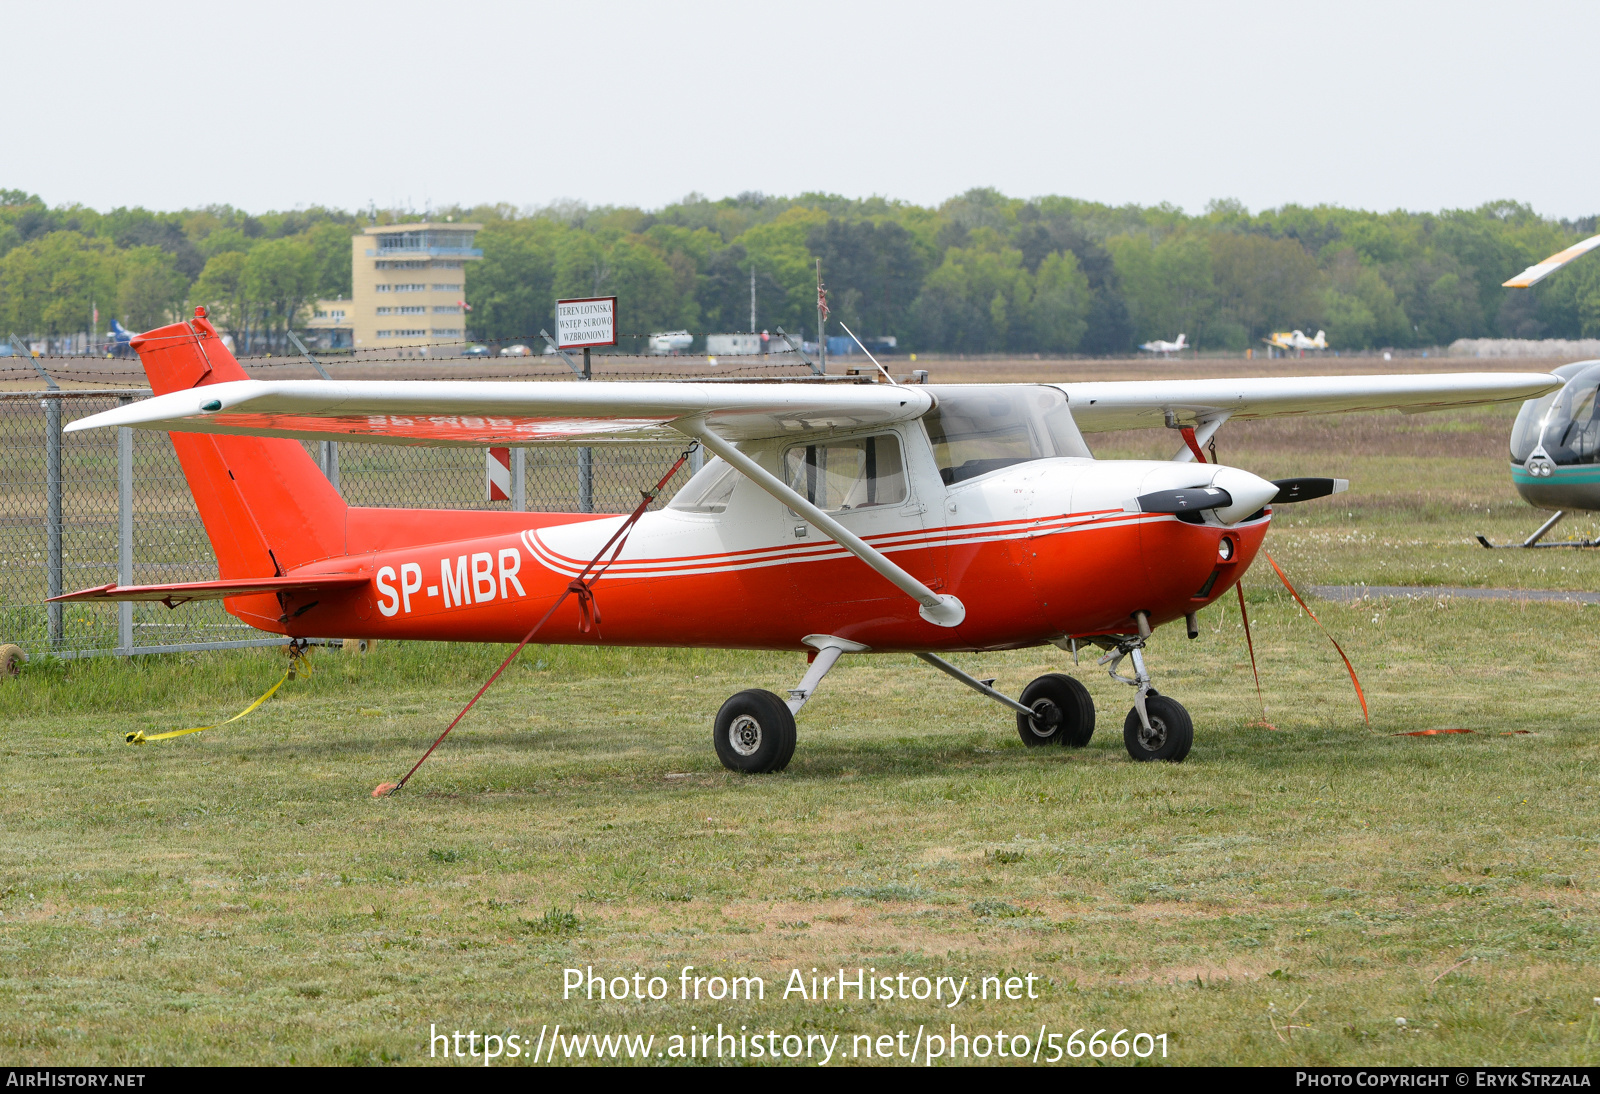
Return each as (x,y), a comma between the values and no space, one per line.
(1172,733)
(754,733)
(1064,713)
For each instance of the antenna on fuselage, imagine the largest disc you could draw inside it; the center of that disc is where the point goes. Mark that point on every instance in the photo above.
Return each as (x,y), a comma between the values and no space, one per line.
(868,352)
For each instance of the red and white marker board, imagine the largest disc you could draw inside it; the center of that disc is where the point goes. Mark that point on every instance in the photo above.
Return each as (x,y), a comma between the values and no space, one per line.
(497,477)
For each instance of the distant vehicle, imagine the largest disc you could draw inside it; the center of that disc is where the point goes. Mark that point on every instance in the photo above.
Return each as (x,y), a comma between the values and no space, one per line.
(120,342)
(1296,340)
(672,341)
(479,350)
(518,350)
(1164,348)
(734,345)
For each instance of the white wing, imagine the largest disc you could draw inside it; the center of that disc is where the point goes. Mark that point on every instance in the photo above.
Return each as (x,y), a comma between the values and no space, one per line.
(1540,270)
(438,412)
(1132,404)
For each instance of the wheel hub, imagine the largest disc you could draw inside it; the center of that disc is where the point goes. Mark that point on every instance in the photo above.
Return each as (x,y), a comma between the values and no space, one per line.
(1154,737)
(744,735)
(1046,718)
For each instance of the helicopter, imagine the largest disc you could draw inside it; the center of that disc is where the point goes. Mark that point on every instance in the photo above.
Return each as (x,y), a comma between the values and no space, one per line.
(1555,441)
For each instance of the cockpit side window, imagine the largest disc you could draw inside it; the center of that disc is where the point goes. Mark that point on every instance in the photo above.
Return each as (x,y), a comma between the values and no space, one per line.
(1566,423)
(709,490)
(853,474)
(983,429)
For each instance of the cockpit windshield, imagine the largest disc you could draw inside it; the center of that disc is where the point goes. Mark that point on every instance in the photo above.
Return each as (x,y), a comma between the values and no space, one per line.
(979,429)
(1566,422)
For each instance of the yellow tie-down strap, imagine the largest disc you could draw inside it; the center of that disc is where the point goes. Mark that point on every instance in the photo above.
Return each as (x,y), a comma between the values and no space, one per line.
(299,665)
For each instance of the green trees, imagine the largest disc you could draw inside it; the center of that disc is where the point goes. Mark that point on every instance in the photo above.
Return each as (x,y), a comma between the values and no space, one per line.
(150,288)
(50,284)
(143,268)
(981,273)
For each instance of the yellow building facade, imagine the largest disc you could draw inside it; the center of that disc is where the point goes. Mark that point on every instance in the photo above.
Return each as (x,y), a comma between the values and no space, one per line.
(408,285)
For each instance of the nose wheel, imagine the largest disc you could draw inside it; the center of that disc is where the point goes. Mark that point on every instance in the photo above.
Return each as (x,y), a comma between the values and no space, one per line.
(1164,733)
(1157,728)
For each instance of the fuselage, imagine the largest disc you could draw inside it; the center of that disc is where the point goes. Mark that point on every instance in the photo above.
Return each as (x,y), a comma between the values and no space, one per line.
(1039,550)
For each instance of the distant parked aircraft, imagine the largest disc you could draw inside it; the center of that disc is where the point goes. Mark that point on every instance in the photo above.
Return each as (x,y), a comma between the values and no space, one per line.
(672,341)
(1296,339)
(1163,348)
(120,344)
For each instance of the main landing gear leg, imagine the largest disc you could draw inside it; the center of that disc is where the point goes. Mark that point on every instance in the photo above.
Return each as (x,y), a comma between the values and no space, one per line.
(1055,709)
(754,731)
(1157,728)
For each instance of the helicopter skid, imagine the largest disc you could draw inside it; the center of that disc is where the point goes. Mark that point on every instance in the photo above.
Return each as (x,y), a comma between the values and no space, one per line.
(1559,543)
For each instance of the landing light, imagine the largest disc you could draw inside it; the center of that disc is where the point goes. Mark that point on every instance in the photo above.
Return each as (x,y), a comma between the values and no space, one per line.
(1225,549)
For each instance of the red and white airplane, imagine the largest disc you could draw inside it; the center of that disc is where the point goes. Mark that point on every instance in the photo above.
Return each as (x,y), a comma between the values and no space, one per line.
(837,518)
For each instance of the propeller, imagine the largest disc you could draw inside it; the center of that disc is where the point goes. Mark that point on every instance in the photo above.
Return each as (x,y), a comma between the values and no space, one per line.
(1192,500)
(1290,490)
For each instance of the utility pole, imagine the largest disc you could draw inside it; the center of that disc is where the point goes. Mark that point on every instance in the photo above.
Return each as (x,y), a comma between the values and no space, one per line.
(822,323)
(752,298)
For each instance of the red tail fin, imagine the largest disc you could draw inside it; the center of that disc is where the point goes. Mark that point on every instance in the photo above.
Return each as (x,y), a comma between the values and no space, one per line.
(265,504)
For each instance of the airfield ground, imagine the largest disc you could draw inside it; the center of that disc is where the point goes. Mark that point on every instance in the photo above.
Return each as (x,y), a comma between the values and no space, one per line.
(1288,895)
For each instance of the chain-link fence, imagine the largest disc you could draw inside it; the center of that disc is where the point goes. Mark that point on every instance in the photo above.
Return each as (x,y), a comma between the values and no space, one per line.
(84,509)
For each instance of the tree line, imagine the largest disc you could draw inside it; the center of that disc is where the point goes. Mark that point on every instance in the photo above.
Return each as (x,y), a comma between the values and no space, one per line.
(980,273)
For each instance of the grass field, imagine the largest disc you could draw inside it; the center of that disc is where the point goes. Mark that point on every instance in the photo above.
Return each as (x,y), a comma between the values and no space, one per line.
(1288,895)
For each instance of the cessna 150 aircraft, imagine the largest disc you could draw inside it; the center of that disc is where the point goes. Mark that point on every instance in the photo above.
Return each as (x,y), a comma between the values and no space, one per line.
(838,517)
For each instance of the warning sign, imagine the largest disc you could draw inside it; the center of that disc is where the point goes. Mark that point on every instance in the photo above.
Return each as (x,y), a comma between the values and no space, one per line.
(588,322)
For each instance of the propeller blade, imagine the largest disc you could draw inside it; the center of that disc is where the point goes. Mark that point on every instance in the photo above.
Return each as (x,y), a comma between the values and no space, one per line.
(1290,490)
(1184,501)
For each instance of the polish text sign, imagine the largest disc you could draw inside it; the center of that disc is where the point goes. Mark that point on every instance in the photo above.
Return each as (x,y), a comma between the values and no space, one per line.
(588,322)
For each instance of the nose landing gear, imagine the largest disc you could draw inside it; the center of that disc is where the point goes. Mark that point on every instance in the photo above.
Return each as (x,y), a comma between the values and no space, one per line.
(1157,728)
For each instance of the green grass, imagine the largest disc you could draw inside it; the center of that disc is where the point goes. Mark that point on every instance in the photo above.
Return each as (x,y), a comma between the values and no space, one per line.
(237,896)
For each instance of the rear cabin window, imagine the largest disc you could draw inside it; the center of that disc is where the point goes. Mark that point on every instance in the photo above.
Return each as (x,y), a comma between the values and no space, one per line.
(709,490)
(855,474)
(983,429)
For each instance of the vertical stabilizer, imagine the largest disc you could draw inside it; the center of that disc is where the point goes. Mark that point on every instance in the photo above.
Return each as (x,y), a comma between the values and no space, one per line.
(265,504)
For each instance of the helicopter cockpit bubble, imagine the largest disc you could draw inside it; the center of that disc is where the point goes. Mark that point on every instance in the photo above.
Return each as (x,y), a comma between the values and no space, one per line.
(1565,423)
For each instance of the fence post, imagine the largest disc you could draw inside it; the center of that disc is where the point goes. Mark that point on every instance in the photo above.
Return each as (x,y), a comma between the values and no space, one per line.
(330,462)
(519,479)
(586,458)
(125,531)
(52,520)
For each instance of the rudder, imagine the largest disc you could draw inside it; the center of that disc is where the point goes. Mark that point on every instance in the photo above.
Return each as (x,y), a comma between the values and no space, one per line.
(265,504)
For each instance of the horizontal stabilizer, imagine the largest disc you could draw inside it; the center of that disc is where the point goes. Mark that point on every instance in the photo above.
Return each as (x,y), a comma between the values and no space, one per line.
(185,591)
(1306,489)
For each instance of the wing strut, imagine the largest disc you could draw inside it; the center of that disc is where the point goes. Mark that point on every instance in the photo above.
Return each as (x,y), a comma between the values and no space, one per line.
(940,610)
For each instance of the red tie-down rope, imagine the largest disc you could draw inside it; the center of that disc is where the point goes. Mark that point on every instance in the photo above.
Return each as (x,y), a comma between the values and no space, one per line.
(581,586)
(1189,439)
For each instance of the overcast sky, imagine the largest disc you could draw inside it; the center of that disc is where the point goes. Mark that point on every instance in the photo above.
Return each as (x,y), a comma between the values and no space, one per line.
(167,104)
